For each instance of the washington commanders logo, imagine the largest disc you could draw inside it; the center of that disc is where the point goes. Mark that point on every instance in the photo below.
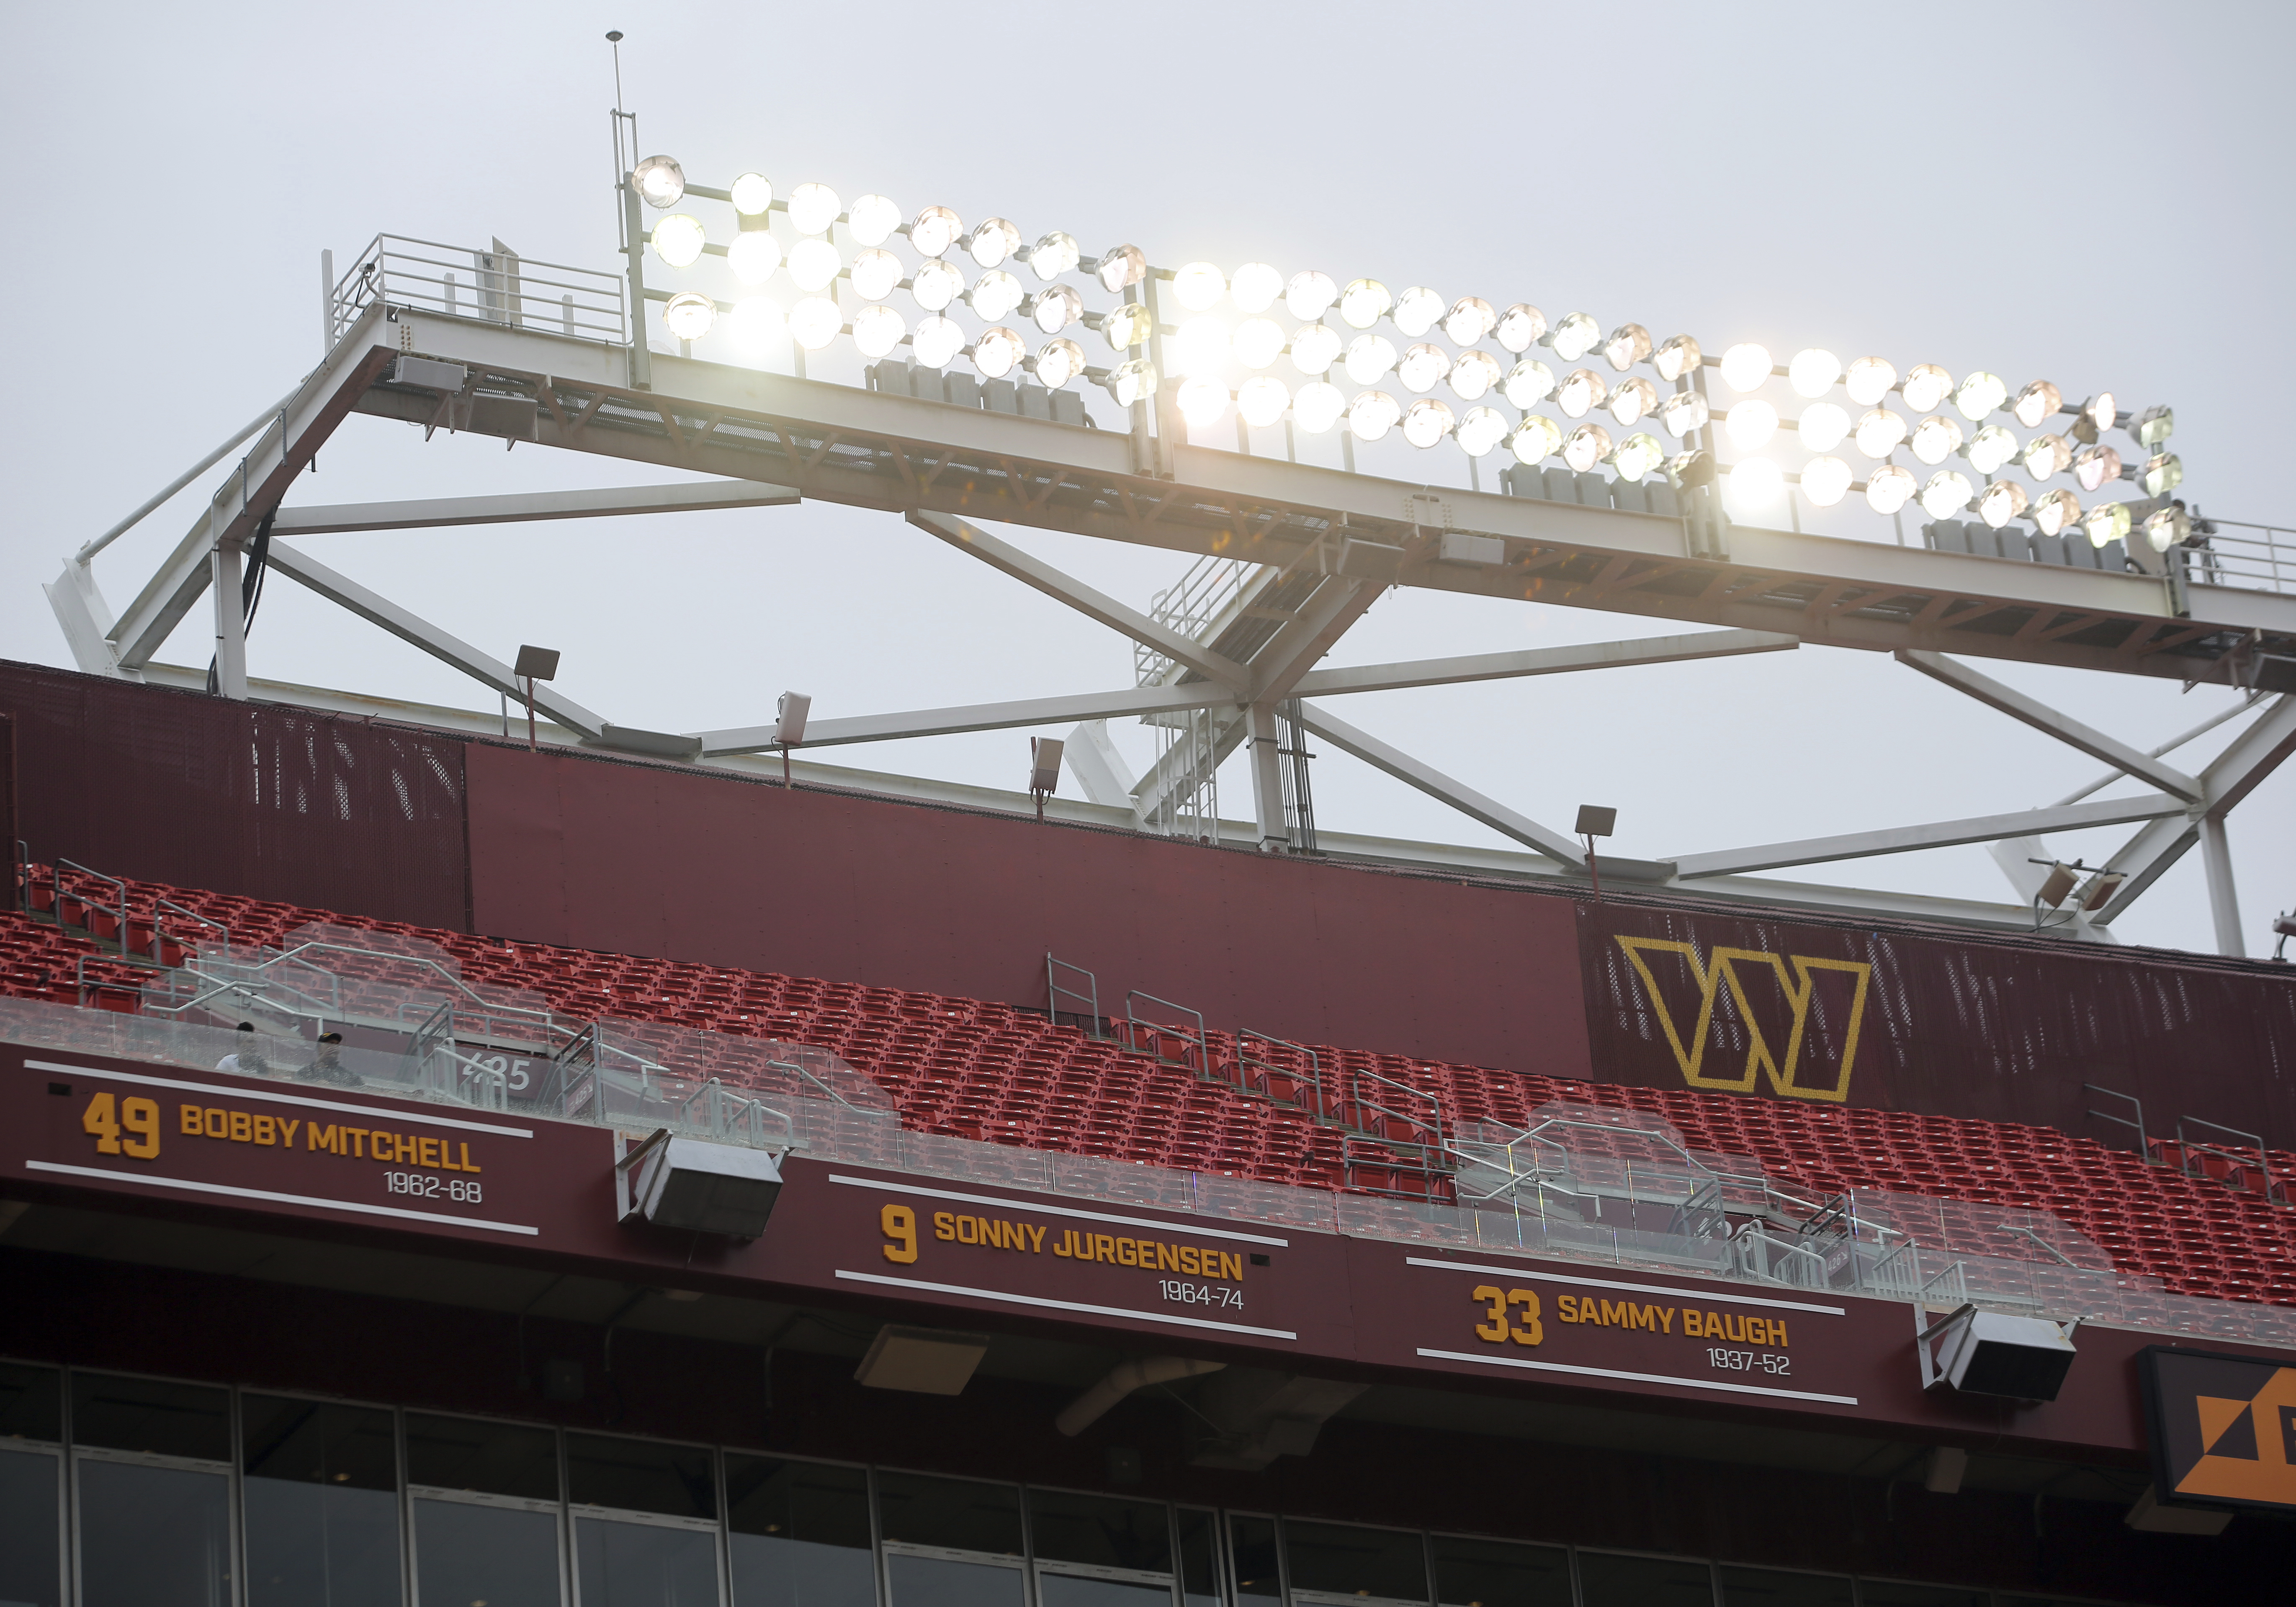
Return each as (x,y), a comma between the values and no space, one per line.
(1779,989)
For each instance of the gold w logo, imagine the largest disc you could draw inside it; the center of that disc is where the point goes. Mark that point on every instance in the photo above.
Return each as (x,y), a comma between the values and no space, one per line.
(1798,985)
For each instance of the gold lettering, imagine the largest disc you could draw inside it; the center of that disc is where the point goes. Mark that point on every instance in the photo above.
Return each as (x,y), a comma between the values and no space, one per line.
(968,1230)
(217,1122)
(1191,1260)
(1035,1238)
(141,1117)
(194,1120)
(1493,1299)
(287,1125)
(1065,1245)
(357,1137)
(1103,1248)
(100,1122)
(899,1224)
(1778,1333)
(426,1153)
(1734,1327)
(329,1138)
(266,1129)
(242,1128)
(466,1166)
(1167,1258)
(1127,1252)
(1665,1319)
(1566,1306)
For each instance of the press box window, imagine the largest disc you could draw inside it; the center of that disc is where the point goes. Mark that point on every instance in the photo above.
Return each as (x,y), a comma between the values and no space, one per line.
(1492,1573)
(1770,1588)
(1092,1551)
(320,1492)
(645,1522)
(800,1534)
(1608,1580)
(1336,1562)
(1883,1593)
(32,1486)
(151,1461)
(951,1541)
(1258,1569)
(484,1503)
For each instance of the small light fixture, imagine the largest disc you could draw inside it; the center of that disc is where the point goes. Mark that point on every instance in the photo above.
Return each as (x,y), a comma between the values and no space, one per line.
(1595,820)
(1044,769)
(789,725)
(534,664)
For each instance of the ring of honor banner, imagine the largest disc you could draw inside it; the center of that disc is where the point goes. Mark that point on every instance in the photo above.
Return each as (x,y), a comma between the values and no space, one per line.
(2224,1428)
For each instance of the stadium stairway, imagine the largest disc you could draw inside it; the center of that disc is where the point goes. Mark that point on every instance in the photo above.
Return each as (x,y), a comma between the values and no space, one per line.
(990,1071)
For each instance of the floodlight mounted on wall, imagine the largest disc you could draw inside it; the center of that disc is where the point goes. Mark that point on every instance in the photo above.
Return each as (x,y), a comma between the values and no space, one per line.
(1992,1353)
(702,1188)
(1044,769)
(1595,820)
(789,725)
(534,664)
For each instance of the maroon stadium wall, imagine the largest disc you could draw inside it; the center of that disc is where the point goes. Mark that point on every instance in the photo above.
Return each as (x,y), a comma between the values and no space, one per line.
(591,851)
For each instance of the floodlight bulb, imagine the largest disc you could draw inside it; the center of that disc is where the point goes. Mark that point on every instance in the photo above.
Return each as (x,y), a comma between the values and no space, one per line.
(2106,523)
(1317,406)
(753,195)
(678,240)
(814,321)
(1868,380)
(1678,357)
(1682,412)
(873,220)
(1129,325)
(813,264)
(1633,400)
(1757,486)
(1473,375)
(1889,488)
(659,182)
(1261,400)
(1469,319)
(688,317)
(1055,308)
(1254,287)
(1310,295)
(1426,421)
(933,231)
(1364,303)
(2047,455)
(1535,439)
(2101,410)
(755,325)
(2162,474)
(754,256)
(1529,384)
(1199,286)
(2095,465)
(1812,372)
(1132,382)
(1880,432)
(995,297)
(935,284)
(1576,335)
(1314,348)
(1585,447)
(1372,414)
(1369,357)
(1519,327)
(998,351)
(1201,348)
(1824,480)
(876,273)
(1990,448)
(1582,391)
(2001,502)
(1936,439)
(812,207)
(1479,430)
(2168,527)
(1422,366)
(2055,513)
(1202,401)
(937,341)
(1824,427)
(877,328)
(1122,268)
(1418,310)
(1750,424)
(1628,344)
(1057,362)
(1980,395)
(1054,255)
(1746,366)
(2036,403)
(1948,493)
(1258,341)
(1926,388)
(2153,426)
(993,242)
(1637,456)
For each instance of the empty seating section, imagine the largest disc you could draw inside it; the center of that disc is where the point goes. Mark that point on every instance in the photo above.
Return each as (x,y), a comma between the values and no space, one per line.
(993,1071)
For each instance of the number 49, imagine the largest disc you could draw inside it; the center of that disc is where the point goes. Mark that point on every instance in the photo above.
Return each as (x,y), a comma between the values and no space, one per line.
(137,1116)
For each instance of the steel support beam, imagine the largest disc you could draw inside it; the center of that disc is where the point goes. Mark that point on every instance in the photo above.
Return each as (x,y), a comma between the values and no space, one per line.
(1093,758)
(1944,833)
(2224,894)
(86,621)
(1301,643)
(2066,729)
(2230,777)
(979,716)
(1542,660)
(1437,785)
(1267,776)
(483,667)
(425,514)
(230,623)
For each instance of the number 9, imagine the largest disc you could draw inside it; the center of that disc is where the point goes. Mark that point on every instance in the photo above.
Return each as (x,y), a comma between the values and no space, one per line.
(900,1225)
(140,1116)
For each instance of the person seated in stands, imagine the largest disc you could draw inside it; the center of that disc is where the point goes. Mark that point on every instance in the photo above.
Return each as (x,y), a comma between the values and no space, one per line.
(248,1061)
(327,1065)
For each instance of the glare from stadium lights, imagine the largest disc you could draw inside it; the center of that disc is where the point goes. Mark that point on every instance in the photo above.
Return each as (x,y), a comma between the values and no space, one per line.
(1880,432)
(1582,391)
(1125,265)
(814,321)
(1756,486)
(659,182)
(813,264)
(1948,492)
(995,297)
(873,220)
(1417,310)
(2162,474)
(1369,358)
(1936,439)
(2099,410)
(1426,421)
(935,284)
(937,341)
(1254,287)
(1364,303)
(1309,295)
(1422,366)
(1926,386)
(754,255)
(1678,357)
(1373,413)
(1576,335)
(1258,341)
(1869,380)
(2047,455)
(1200,349)
(1585,447)
(1989,449)
(1628,345)
(1682,412)
(1823,427)
(755,325)
(1469,319)
(1637,456)
(1750,424)
(1535,439)
(1825,480)
(1199,286)
(2001,502)
(1479,430)
(1131,382)
(1529,384)
(998,351)
(1473,375)
(1633,401)
(1812,372)
(678,240)
(812,207)
(877,330)
(1203,401)
(993,242)
(688,317)
(1980,395)
(876,273)
(1053,255)
(1889,488)
(1746,366)
(753,195)
(2093,466)
(1055,308)
(2038,402)
(2056,511)
(1127,326)
(1314,348)
(1262,399)
(1058,362)
(2106,523)
(1317,406)
(1519,327)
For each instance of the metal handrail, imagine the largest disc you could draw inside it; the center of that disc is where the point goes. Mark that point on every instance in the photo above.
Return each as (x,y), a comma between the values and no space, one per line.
(2275,1188)
(590,305)
(1054,990)
(1134,1021)
(1315,1078)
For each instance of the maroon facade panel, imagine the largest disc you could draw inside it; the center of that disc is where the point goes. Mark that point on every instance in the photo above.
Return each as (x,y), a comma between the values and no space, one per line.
(156,784)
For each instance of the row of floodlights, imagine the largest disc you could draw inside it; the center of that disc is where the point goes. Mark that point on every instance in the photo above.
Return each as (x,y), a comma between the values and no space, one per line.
(1203,346)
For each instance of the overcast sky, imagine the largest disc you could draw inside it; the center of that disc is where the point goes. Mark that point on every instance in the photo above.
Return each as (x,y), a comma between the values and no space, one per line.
(2096,195)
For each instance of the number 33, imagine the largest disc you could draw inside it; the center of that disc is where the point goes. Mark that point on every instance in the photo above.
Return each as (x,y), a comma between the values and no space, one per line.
(1498,1330)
